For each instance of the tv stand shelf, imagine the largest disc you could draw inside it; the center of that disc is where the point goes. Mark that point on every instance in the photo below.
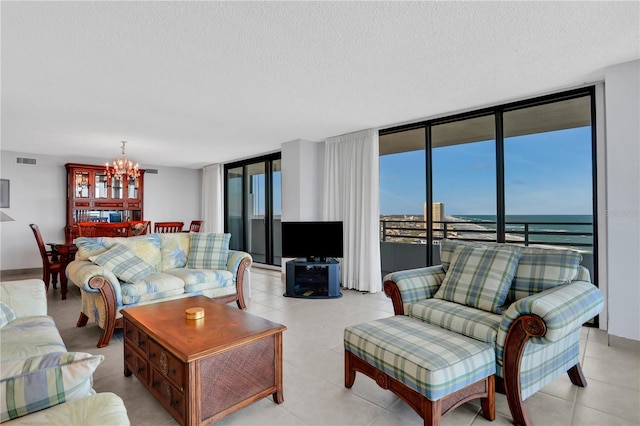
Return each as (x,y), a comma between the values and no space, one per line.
(313,280)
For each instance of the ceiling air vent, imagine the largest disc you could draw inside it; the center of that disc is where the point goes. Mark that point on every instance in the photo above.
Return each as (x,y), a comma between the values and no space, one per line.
(151,171)
(23,160)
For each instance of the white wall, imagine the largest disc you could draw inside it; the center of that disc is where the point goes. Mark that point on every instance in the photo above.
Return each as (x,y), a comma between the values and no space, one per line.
(302,180)
(38,195)
(622,215)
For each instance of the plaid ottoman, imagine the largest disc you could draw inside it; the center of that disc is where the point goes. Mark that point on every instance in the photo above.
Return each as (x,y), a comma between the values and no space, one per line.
(432,369)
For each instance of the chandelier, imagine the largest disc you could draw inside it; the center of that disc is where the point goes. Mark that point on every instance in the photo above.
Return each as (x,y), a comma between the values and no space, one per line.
(123,167)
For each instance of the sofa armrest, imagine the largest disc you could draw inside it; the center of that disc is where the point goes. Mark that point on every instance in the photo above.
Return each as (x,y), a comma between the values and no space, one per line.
(80,272)
(561,309)
(26,298)
(238,263)
(412,285)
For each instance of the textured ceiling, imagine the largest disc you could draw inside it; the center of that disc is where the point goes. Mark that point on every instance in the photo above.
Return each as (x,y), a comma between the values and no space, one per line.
(194,83)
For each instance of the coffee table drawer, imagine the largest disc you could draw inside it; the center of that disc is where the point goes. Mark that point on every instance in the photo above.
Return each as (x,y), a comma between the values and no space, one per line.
(136,337)
(166,363)
(136,364)
(170,396)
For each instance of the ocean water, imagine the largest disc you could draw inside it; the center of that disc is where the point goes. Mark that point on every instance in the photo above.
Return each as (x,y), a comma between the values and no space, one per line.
(556,228)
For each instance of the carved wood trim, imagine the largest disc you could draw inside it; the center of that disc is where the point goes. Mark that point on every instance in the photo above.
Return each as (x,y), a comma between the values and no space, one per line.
(108,294)
(518,335)
(391,289)
(244,265)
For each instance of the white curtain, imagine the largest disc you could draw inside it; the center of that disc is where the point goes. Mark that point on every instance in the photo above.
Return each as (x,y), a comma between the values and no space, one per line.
(212,198)
(351,194)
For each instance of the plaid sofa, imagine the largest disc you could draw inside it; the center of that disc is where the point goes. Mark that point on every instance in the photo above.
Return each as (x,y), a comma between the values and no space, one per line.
(536,327)
(115,273)
(40,382)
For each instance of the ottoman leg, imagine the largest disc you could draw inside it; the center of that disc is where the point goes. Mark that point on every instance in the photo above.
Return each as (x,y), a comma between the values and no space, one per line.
(349,372)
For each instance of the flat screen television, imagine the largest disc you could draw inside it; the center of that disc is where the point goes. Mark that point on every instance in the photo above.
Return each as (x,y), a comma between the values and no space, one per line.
(315,241)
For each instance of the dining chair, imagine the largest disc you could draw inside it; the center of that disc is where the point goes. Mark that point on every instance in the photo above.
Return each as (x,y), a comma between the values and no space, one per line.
(195,225)
(87,229)
(168,227)
(118,229)
(140,227)
(51,265)
(104,229)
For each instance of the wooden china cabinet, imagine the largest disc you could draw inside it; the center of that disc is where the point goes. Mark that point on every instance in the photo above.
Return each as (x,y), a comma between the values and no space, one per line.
(93,196)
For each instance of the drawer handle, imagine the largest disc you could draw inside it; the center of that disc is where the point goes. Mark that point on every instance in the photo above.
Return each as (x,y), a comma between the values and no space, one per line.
(172,372)
(141,368)
(152,355)
(174,403)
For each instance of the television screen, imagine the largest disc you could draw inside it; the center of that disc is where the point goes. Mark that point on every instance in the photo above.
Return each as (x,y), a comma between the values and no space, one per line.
(312,240)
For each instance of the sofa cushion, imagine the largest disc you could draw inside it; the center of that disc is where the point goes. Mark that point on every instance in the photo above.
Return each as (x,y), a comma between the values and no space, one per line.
(33,384)
(101,409)
(124,263)
(154,287)
(471,322)
(202,279)
(6,315)
(147,247)
(30,336)
(540,269)
(174,248)
(479,277)
(448,247)
(208,251)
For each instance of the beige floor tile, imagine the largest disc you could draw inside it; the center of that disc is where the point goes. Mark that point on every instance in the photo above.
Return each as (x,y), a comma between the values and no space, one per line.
(313,371)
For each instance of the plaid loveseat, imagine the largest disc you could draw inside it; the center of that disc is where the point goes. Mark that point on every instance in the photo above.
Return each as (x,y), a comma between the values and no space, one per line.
(529,302)
(116,272)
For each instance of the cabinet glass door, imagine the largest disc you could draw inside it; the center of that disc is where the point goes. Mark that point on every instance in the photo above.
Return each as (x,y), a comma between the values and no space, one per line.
(82,185)
(116,189)
(132,188)
(101,185)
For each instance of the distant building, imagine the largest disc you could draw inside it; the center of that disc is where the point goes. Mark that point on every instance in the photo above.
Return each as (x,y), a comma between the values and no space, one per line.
(437,215)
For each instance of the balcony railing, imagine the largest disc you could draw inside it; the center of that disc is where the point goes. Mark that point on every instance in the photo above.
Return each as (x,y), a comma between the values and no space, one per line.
(572,234)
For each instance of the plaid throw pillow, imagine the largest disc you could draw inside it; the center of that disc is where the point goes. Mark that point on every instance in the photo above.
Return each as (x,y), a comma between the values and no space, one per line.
(123,263)
(40,382)
(479,277)
(208,251)
(6,315)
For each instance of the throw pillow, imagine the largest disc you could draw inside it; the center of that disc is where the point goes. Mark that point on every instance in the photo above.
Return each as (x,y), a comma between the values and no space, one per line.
(174,248)
(208,251)
(479,277)
(6,315)
(33,384)
(124,264)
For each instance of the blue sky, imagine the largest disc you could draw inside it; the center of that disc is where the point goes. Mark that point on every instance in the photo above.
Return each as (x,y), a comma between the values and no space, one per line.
(545,173)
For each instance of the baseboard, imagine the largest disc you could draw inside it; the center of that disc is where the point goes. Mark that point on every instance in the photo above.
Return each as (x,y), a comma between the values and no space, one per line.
(18,274)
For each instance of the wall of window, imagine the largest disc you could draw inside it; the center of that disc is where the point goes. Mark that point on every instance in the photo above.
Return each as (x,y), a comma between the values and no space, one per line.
(522,172)
(253,206)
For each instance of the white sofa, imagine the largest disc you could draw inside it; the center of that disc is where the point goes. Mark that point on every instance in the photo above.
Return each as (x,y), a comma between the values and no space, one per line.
(115,273)
(40,382)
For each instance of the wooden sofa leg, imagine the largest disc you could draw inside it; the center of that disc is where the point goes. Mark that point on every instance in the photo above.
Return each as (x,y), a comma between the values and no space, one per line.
(82,321)
(577,376)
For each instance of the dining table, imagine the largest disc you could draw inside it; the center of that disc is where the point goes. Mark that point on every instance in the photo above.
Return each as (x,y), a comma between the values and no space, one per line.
(66,252)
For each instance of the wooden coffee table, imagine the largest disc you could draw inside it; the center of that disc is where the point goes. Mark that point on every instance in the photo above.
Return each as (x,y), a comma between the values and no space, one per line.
(202,370)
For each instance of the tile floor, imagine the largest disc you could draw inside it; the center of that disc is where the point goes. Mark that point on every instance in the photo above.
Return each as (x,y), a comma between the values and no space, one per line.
(314,392)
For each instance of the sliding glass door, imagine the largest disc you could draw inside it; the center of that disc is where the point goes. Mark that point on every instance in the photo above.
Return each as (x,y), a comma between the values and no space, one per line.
(253,207)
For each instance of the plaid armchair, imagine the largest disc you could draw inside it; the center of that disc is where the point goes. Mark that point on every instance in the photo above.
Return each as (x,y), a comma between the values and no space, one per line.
(529,302)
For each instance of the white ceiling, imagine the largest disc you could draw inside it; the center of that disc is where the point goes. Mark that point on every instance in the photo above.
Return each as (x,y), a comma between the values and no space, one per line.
(194,83)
